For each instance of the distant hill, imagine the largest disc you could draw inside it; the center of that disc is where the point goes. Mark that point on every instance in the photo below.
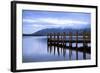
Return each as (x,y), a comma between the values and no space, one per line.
(44,32)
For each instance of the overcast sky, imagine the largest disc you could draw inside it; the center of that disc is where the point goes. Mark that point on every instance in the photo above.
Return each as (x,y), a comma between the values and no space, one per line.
(34,21)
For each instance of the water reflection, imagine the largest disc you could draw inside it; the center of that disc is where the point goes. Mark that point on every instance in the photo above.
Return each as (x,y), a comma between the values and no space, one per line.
(61,50)
(38,49)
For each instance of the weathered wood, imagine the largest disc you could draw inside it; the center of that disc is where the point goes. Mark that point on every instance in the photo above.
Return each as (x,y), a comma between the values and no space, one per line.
(77,45)
(84,45)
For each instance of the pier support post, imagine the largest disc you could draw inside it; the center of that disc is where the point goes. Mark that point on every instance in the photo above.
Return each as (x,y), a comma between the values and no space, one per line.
(77,45)
(84,45)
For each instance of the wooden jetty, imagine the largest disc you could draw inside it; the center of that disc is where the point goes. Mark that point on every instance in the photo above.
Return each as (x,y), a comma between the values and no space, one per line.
(59,40)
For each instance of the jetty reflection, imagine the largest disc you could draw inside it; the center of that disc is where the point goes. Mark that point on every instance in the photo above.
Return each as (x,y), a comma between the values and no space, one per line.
(60,42)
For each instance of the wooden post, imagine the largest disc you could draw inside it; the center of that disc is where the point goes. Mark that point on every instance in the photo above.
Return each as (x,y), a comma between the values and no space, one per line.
(58,43)
(77,45)
(84,45)
(70,45)
(50,48)
(88,37)
(70,41)
(58,51)
(62,43)
(64,40)
(54,43)
(58,38)
(64,52)
(50,42)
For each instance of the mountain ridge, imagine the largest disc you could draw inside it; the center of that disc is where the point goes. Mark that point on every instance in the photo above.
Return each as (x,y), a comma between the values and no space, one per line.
(44,32)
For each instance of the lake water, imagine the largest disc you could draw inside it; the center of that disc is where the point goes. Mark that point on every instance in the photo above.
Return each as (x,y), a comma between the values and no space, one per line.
(35,49)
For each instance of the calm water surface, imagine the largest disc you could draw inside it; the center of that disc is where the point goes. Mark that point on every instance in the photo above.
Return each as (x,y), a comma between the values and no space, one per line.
(35,50)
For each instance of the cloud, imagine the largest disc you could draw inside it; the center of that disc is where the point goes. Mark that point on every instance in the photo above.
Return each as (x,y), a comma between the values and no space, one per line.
(55,21)
(29,20)
(61,21)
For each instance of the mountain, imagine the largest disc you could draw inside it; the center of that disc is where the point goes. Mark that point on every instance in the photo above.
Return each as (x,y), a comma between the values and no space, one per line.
(44,32)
